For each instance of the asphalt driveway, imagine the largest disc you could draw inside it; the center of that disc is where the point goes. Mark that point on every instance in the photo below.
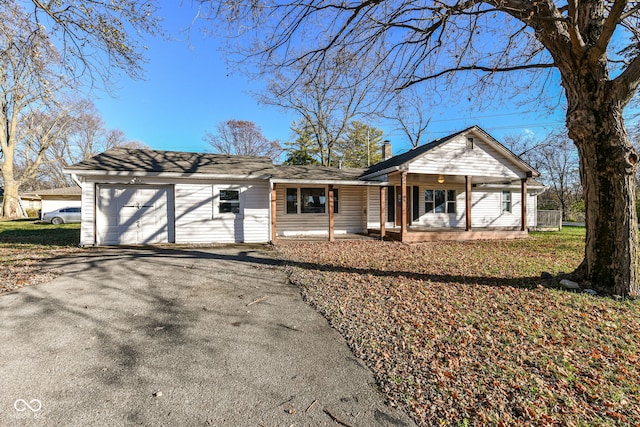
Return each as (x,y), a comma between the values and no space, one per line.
(177,337)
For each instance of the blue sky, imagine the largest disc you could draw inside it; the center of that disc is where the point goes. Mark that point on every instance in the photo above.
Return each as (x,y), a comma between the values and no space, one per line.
(188,89)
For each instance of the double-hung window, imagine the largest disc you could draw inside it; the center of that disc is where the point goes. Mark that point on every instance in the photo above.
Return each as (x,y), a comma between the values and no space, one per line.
(440,201)
(506,201)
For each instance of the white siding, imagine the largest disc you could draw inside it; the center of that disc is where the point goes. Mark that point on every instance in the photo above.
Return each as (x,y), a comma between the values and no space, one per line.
(87,227)
(349,219)
(198,222)
(532,209)
(453,158)
(373,207)
(193,216)
(486,209)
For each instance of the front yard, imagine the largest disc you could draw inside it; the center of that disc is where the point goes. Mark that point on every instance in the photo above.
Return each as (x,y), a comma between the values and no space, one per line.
(24,244)
(456,333)
(464,333)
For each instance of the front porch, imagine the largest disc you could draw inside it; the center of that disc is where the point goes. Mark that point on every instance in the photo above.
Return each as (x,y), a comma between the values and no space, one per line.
(418,234)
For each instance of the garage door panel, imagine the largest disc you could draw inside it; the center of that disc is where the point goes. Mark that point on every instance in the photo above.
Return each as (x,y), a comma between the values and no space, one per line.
(133,215)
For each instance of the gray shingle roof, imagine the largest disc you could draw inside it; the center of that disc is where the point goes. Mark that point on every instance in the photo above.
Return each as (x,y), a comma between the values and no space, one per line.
(64,191)
(317,173)
(143,160)
(403,158)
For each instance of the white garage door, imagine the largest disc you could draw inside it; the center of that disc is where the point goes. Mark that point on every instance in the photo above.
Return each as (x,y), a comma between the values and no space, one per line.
(133,215)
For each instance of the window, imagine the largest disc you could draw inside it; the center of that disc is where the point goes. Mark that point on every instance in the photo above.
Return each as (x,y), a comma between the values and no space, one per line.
(229,201)
(506,201)
(309,200)
(469,143)
(312,200)
(292,200)
(440,201)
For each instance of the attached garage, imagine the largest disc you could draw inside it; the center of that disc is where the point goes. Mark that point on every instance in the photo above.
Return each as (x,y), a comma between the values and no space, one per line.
(128,214)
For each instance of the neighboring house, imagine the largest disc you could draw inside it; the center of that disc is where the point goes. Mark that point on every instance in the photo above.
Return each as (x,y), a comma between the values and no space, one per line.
(464,186)
(55,198)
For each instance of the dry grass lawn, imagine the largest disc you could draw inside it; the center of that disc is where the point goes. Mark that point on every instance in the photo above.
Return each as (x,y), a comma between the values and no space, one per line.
(464,333)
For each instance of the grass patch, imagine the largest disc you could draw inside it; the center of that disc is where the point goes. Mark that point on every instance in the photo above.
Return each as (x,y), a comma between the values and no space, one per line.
(24,247)
(459,332)
(31,232)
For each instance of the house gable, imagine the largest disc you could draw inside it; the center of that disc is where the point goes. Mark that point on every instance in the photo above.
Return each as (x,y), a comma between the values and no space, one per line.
(451,156)
(455,157)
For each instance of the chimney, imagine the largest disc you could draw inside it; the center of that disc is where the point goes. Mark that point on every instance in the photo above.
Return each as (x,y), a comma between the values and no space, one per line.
(386,150)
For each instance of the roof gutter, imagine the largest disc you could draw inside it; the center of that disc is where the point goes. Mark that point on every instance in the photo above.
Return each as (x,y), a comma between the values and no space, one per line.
(381,172)
(329,182)
(128,174)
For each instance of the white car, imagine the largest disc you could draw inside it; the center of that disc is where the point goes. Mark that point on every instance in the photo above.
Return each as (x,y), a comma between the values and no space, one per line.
(62,215)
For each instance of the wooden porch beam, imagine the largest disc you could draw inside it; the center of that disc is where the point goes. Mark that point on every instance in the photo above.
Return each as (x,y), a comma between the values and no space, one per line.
(403,210)
(467,202)
(523,204)
(383,211)
(331,215)
(273,214)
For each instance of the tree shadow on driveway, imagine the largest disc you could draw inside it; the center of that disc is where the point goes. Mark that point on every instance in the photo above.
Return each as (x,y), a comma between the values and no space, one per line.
(178,337)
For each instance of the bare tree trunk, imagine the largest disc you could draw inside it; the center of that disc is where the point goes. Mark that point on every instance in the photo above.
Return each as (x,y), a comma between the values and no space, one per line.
(10,204)
(608,165)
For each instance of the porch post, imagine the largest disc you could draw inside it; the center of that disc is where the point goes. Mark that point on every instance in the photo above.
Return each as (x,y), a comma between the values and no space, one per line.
(383,211)
(273,214)
(403,210)
(523,204)
(331,216)
(467,201)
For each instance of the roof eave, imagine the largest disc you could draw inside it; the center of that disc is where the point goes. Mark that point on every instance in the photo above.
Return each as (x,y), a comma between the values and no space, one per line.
(329,182)
(197,175)
(383,172)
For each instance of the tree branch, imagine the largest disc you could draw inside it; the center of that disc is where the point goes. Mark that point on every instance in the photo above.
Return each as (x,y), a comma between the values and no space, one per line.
(608,29)
(478,68)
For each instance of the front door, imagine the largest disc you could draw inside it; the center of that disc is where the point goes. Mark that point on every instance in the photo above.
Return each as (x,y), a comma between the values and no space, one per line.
(398,194)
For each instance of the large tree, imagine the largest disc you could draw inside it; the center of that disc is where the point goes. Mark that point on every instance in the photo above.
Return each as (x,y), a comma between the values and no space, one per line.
(28,83)
(361,146)
(48,47)
(591,49)
(302,150)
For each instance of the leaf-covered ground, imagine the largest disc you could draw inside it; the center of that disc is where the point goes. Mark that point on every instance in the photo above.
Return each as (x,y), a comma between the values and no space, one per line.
(22,265)
(25,245)
(464,333)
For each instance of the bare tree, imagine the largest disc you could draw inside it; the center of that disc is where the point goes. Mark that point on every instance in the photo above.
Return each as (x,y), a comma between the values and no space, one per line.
(99,37)
(473,44)
(28,82)
(95,39)
(557,160)
(327,98)
(242,138)
(409,110)
(85,136)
